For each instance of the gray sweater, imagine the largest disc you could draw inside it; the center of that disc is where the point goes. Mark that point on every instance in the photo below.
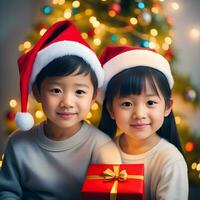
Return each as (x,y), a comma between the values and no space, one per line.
(35,167)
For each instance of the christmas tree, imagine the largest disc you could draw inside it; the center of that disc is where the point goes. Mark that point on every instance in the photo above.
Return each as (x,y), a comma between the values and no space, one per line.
(121,22)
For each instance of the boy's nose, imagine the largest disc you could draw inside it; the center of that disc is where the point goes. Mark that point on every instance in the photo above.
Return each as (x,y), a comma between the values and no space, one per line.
(67,101)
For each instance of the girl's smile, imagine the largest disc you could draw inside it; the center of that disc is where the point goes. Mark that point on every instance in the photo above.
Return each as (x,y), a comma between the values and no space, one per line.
(140,126)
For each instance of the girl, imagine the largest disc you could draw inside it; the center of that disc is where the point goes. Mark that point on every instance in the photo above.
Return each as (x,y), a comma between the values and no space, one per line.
(137,90)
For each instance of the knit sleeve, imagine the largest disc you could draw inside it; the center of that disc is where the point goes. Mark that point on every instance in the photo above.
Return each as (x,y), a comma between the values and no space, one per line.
(173,184)
(10,188)
(107,154)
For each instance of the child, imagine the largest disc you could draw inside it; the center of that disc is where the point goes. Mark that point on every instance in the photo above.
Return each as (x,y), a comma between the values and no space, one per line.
(138,102)
(50,160)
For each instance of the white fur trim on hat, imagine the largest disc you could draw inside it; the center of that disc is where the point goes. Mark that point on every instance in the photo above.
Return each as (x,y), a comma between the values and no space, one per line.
(59,49)
(131,59)
(24,121)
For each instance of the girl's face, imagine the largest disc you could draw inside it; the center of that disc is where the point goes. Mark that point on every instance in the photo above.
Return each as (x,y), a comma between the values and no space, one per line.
(140,116)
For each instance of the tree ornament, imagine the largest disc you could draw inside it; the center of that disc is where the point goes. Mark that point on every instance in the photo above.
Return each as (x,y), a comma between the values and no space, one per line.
(190,94)
(189,146)
(144,43)
(47,10)
(170,21)
(145,18)
(11,115)
(75,11)
(115,7)
(169,54)
(91,33)
(114,38)
(140,5)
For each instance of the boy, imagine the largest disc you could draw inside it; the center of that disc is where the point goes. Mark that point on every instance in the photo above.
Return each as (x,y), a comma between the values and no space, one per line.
(49,161)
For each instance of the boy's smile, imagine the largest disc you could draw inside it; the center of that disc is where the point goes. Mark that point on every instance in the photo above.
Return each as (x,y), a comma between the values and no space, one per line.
(66,115)
(66,101)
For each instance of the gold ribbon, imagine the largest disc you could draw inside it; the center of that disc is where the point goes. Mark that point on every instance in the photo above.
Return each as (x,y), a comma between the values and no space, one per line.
(115,175)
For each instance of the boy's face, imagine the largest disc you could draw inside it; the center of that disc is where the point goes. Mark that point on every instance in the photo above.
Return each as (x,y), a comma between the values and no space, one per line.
(66,100)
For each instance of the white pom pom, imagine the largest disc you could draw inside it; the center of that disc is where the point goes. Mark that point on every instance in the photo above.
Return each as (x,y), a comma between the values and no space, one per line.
(24,121)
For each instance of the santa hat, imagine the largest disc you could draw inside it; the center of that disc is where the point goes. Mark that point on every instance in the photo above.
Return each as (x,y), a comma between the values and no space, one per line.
(115,59)
(62,38)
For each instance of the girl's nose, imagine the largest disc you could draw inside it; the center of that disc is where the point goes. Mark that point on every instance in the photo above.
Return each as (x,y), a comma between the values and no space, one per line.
(139,112)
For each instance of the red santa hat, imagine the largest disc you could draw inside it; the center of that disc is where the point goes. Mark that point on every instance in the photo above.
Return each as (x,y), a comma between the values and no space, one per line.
(115,59)
(62,38)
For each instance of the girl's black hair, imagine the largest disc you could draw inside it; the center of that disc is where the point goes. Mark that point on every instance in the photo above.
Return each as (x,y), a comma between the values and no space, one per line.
(132,81)
(64,66)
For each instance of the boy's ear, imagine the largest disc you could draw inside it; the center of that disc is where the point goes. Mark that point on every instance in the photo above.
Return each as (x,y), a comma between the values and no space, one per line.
(169,108)
(95,94)
(36,93)
(110,111)
(94,97)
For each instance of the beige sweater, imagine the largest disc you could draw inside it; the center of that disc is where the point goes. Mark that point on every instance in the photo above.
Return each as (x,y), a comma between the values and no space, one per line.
(165,173)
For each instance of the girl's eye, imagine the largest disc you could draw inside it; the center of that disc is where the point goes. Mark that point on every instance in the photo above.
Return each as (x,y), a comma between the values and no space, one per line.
(80,92)
(55,90)
(151,103)
(126,104)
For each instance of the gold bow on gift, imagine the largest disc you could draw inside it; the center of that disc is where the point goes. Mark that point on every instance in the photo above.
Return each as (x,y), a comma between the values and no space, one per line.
(115,175)
(109,175)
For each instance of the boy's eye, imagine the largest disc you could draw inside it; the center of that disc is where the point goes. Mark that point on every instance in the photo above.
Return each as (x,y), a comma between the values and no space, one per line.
(80,92)
(55,90)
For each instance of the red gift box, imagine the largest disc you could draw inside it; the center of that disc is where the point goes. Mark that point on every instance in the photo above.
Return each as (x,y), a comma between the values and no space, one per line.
(114,182)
